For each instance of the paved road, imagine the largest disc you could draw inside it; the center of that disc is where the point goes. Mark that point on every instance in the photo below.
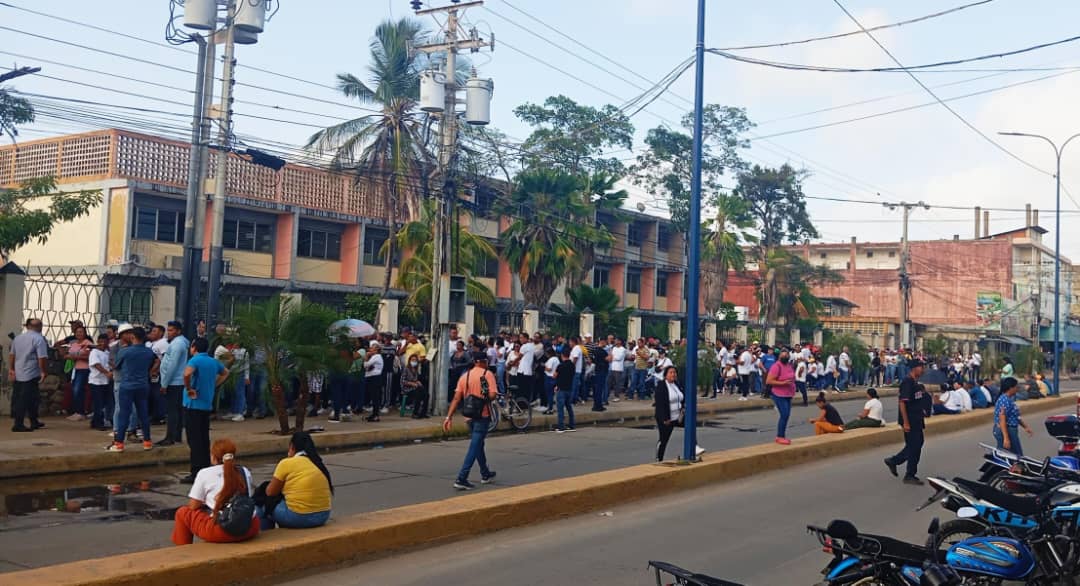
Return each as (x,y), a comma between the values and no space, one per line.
(117,504)
(751,532)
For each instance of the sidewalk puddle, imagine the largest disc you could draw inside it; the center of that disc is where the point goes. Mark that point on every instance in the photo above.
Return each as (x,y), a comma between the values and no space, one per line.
(138,499)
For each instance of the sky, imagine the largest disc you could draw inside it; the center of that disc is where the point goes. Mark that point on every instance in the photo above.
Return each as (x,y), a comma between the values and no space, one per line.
(921,154)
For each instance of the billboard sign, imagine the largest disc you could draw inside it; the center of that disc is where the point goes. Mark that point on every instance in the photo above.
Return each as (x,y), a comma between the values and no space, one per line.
(988,309)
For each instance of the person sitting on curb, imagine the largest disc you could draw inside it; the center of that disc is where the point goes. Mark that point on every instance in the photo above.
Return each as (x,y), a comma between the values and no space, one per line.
(872,413)
(829,421)
(948,402)
(299,494)
(212,489)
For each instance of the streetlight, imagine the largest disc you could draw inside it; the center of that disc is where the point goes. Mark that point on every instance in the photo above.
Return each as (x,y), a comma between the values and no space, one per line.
(1057,249)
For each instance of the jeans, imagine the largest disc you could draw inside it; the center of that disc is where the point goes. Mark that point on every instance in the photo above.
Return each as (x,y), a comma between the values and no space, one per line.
(616,381)
(110,404)
(97,412)
(79,380)
(912,452)
(500,377)
(599,389)
(801,387)
(576,391)
(829,381)
(339,391)
(1014,440)
(282,516)
(637,383)
(476,454)
(139,397)
(890,373)
(239,401)
(549,392)
(174,413)
(841,385)
(257,392)
(356,392)
(756,383)
(783,405)
(744,384)
(943,410)
(563,401)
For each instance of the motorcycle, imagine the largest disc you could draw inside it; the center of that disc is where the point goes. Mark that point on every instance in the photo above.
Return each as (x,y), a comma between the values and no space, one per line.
(684,577)
(1066,429)
(1008,472)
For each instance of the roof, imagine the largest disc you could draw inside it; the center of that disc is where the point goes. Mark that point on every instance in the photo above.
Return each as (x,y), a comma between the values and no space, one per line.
(1034,227)
(837,301)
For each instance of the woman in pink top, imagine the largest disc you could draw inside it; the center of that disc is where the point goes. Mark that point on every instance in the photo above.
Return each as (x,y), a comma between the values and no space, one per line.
(79,352)
(781,378)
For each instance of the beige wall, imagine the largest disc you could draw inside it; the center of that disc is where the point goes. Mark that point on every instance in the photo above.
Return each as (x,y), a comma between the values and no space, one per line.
(880,260)
(154,254)
(78,242)
(489,283)
(631,300)
(250,264)
(485,227)
(834,259)
(322,271)
(373,276)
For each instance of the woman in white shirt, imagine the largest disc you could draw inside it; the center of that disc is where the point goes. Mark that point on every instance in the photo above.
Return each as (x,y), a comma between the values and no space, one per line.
(872,413)
(212,490)
(669,410)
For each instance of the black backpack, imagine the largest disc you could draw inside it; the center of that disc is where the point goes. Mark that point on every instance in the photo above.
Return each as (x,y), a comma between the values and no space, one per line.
(235,517)
(472,406)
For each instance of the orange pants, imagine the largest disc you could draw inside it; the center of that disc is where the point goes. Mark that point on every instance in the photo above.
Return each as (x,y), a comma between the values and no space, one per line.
(190,524)
(823,427)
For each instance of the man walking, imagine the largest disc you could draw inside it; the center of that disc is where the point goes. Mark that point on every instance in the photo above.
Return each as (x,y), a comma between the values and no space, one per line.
(912,399)
(845,370)
(171,374)
(202,375)
(617,374)
(478,382)
(28,362)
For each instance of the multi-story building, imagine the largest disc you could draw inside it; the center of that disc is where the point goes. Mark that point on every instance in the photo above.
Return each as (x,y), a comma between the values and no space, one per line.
(299,229)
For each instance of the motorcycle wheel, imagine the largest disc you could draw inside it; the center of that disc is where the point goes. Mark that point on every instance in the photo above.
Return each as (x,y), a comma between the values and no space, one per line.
(950,533)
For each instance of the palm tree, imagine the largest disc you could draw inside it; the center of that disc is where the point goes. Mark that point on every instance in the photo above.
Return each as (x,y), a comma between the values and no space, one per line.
(553,224)
(294,340)
(471,252)
(603,302)
(786,284)
(722,248)
(387,150)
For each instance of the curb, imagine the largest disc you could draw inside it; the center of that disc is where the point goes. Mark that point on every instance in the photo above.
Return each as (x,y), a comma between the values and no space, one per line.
(371,535)
(270,445)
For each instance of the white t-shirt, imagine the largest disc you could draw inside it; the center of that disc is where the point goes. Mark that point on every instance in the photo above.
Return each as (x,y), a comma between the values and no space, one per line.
(965,398)
(525,367)
(578,359)
(830,364)
(721,356)
(986,393)
(209,481)
(675,398)
(512,358)
(800,372)
(98,358)
(551,365)
(952,400)
(375,364)
(746,363)
(805,353)
(976,359)
(845,361)
(618,359)
(875,410)
(661,365)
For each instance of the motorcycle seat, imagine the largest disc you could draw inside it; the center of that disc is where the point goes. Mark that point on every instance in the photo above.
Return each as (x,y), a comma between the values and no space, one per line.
(1021,505)
(894,549)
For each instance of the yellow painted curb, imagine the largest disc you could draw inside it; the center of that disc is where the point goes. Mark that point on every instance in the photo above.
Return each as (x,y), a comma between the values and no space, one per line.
(270,445)
(371,535)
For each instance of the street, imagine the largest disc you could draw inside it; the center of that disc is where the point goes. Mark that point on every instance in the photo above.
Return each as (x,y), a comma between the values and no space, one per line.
(752,531)
(135,505)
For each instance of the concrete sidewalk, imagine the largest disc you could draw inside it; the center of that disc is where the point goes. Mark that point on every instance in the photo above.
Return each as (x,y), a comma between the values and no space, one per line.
(64,447)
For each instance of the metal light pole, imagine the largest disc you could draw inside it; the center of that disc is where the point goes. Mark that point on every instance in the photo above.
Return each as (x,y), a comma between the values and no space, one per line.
(692,325)
(1057,249)
(190,279)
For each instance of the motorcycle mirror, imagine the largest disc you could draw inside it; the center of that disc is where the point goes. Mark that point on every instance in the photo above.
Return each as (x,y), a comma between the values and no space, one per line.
(967,512)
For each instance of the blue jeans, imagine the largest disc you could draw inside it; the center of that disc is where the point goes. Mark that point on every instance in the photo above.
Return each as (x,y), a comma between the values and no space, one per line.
(600,390)
(500,377)
(79,381)
(282,516)
(476,453)
(637,383)
(801,387)
(783,405)
(562,399)
(239,402)
(256,391)
(756,383)
(890,373)
(843,382)
(97,397)
(122,423)
(830,381)
(1014,439)
(549,391)
(339,391)
(575,393)
(127,396)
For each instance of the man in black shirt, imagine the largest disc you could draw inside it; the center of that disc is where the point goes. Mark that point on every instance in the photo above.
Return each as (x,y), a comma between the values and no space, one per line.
(912,418)
(564,387)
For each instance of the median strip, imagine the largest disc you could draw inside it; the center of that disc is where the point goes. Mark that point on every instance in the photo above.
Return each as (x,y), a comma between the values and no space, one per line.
(371,535)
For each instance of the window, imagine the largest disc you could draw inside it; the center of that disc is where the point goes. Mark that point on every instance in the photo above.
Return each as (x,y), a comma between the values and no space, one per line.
(246,235)
(489,269)
(869,254)
(663,237)
(374,238)
(892,254)
(661,284)
(601,277)
(824,255)
(160,225)
(633,234)
(318,244)
(633,282)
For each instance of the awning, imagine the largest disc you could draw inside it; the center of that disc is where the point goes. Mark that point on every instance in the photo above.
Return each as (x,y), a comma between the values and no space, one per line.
(1013,340)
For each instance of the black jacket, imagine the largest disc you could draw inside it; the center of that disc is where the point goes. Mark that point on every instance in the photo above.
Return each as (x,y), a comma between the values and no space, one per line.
(663,402)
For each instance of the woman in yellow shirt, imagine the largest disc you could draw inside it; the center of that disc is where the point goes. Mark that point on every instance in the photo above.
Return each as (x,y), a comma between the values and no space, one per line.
(304,485)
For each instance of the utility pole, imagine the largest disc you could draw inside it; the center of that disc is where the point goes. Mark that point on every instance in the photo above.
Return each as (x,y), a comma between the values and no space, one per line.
(224,118)
(18,73)
(905,277)
(440,328)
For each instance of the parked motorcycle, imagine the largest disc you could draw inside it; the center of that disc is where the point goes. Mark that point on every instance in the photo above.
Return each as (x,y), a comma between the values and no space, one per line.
(1009,472)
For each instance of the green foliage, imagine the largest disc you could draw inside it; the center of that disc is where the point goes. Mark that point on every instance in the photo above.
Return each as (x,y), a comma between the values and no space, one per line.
(706,365)
(1029,359)
(776,200)
(20,226)
(1070,360)
(604,303)
(859,353)
(361,306)
(14,111)
(785,284)
(572,138)
(730,317)
(936,347)
(722,248)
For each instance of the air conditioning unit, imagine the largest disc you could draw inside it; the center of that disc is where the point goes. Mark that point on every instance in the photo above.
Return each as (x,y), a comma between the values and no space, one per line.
(175,263)
(135,259)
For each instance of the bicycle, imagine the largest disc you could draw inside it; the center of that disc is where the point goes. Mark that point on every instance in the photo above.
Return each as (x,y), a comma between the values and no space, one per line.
(517,410)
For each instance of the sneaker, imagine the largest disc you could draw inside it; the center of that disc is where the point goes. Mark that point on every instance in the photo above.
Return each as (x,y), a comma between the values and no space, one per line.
(76,417)
(464,485)
(488,479)
(334,419)
(238,417)
(783,441)
(913,480)
(560,430)
(346,417)
(320,412)
(571,429)
(698,451)
(615,400)
(115,447)
(543,410)
(743,399)
(147,446)
(138,435)
(384,411)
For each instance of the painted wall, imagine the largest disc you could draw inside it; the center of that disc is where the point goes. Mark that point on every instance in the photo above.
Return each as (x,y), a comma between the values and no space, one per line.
(313,269)
(250,264)
(78,242)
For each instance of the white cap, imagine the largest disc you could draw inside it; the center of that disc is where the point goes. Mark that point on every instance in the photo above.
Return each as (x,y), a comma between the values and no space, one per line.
(586,335)
(374,344)
(124,327)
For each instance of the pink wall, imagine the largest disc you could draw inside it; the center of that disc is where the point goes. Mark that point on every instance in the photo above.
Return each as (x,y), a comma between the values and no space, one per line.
(350,255)
(617,281)
(284,247)
(647,298)
(674,292)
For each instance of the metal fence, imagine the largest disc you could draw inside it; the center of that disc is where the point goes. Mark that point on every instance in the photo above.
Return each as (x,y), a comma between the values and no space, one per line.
(57,295)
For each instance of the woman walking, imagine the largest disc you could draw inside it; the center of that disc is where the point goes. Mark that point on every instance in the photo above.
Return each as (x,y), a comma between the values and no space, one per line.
(828,421)
(669,410)
(1007,419)
(781,379)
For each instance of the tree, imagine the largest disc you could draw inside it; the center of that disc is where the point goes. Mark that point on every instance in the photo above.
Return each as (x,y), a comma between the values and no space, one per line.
(13,111)
(936,347)
(603,302)
(295,340)
(665,169)
(572,137)
(857,351)
(600,196)
(19,225)
(551,221)
(361,306)
(785,286)
(471,253)
(722,248)
(387,150)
